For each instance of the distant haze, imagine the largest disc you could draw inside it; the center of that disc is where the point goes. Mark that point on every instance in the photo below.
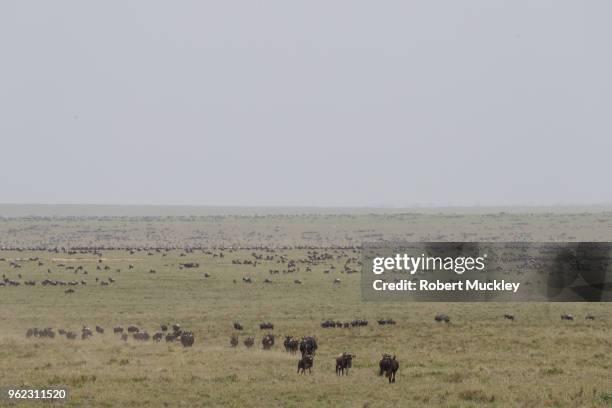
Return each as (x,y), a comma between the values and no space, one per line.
(315,103)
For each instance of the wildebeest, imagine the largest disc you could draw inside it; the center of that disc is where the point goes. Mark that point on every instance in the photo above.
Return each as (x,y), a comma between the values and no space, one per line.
(71,335)
(567,316)
(158,336)
(388,365)
(141,335)
(385,321)
(308,345)
(363,322)
(291,344)
(164,327)
(234,341)
(86,333)
(132,329)
(343,362)
(99,330)
(589,317)
(267,341)
(118,329)
(266,326)
(305,363)
(124,337)
(249,341)
(442,318)
(509,316)
(328,324)
(187,339)
(238,326)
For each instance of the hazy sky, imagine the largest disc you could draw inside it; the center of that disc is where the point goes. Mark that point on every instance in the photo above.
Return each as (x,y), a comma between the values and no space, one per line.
(330,103)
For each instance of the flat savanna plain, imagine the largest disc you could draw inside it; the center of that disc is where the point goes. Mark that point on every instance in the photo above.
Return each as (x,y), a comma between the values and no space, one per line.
(479,359)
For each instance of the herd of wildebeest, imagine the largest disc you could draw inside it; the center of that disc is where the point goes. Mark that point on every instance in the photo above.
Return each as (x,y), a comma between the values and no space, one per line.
(307,345)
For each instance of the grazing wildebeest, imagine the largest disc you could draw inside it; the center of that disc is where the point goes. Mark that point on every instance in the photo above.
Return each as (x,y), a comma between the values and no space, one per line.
(234,341)
(238,326)
(291,344)
(249,341)
(266,326)
(305,363)
(362,322)
(328,324)
(99,330)
(176,328)
(343,362)
(187,339)
(509,316)
(142,336)
(308,345)
(589,317)
(71,335)
(337,280)
(164,327)
(388,366)
(118,329)
(567,316)
(132,329)
(158,336)
(386,321)
(267,341)
(442,318)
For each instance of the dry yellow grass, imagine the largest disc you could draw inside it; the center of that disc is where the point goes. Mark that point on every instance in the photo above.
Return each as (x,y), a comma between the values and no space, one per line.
(479,359)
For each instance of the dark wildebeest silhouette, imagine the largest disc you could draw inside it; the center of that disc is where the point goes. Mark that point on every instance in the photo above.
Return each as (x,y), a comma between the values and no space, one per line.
(291,344)
(442,318)
(86,333)
(305,363)
(268,341)
(234,341)
(187,339)
(566,316)
(238,326)
(509,316)
(388,365)
(266,326)
(308,345)
(343,362)
(249,341)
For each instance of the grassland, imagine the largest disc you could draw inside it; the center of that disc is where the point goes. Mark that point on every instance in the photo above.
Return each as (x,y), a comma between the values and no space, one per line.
(479,359)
